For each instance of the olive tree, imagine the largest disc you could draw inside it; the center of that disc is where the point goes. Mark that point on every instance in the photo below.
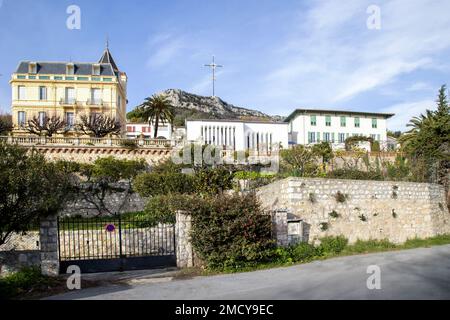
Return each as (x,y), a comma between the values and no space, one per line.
(30,187)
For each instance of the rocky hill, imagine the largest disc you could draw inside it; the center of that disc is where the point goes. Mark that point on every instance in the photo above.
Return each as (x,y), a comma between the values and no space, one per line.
(192,106)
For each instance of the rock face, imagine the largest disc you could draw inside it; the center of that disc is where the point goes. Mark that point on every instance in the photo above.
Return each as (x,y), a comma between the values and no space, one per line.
(215,107)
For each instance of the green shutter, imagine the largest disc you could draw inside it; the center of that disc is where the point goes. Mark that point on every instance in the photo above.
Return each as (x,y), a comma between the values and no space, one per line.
(374,123)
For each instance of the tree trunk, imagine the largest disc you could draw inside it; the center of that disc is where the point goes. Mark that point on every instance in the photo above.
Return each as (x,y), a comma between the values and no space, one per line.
(156,127)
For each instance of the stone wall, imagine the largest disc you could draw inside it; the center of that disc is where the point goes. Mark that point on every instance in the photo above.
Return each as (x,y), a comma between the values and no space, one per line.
(12,261)
(364,210)
(88,154)
(184,249)
(19,242)
(116,202)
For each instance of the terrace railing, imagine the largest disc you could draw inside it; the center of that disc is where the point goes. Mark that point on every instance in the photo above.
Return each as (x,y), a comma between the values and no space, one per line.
(89,141)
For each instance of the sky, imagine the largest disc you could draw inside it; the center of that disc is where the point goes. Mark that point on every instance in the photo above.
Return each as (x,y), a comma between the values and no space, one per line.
(277,55)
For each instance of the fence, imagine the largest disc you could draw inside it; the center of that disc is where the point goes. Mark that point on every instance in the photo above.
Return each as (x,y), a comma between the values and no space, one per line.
(77,141)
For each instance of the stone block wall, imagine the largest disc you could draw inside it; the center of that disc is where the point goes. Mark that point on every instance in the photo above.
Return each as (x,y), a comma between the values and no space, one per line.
(365,210)
(49,246)
(12,261)
(184,249)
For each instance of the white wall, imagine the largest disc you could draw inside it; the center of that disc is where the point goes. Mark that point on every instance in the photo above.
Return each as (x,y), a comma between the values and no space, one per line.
(163,130)
(234,134)
(300,126)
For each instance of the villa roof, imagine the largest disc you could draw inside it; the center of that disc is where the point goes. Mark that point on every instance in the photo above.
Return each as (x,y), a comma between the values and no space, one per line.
(108,59)
(108,66)
(341,112)
(80,68)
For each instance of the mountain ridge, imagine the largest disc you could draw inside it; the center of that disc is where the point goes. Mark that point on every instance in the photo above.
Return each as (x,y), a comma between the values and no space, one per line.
(197,106)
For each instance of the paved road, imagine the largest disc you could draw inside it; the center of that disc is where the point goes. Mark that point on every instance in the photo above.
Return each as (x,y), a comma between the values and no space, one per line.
(410,274)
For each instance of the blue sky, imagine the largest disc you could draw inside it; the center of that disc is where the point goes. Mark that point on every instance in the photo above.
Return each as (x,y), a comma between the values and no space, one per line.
(278,55)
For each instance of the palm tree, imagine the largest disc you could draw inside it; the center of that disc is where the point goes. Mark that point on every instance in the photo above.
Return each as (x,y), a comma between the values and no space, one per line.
(156,109)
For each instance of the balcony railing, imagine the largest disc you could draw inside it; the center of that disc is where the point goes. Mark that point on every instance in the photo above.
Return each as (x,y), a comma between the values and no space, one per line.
(88,142)
(94,102)
(68,101)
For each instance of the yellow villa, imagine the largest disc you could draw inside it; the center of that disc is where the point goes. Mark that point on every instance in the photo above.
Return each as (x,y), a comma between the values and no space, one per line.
(68,90)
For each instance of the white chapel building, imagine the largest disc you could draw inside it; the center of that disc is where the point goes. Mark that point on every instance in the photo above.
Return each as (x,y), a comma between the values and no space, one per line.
(239,135)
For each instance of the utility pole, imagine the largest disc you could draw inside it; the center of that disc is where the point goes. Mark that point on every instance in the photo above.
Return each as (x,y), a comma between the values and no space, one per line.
(213,67)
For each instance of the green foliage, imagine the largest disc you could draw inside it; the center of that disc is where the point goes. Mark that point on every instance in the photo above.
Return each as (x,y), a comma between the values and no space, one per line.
(6,124)
(427,142)
(400,170)
(375,146)
(354,174)
(332,245)
(154,184)
(324,226)
(229,231)
(334,214)
(129,144)
(394,214)
(23,281)
(163,208)
(364,246)
(324,151)
(156,109)
(213,181)
(30,188)
(299,161)
(114,170)
(341,197)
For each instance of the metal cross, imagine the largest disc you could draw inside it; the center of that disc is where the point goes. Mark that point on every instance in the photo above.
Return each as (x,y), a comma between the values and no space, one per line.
(213,66)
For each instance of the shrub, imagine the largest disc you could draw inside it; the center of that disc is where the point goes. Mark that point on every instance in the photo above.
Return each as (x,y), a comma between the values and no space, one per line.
(334,214)
(361,246)
(324,226)
(354,174)
(160,209)
(23,281)
(153,184)
(230,231)
(303,252)
(129,144)
(213,181)
(332,245)
(341,197)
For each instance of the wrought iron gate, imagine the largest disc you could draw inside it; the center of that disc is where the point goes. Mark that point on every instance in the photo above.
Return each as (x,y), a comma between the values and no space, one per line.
(115,244)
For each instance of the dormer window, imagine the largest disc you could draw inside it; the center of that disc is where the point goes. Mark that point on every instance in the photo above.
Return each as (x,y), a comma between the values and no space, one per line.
(70,69)
(95,69)
(32,67)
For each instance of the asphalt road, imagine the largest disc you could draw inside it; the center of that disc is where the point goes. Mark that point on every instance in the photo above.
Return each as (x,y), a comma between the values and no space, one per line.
(410,274)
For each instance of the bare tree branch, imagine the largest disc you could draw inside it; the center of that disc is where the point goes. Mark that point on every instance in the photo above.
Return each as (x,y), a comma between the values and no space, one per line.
(48,126)
(99,125)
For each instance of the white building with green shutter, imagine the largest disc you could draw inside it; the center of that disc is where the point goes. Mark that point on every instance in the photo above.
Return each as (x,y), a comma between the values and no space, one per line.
(310,126)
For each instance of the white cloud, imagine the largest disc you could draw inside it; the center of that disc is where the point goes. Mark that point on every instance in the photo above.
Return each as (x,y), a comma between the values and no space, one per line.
(164,49)
(404,112)
(420,86)
(332,57)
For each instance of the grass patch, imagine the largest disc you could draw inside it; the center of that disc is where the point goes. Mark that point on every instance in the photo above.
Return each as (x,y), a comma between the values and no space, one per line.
(25,282)
(330,247)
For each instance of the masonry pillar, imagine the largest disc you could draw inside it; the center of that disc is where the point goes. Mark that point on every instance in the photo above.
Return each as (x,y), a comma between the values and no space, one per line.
(280,227)
(48,237)
(184,250)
